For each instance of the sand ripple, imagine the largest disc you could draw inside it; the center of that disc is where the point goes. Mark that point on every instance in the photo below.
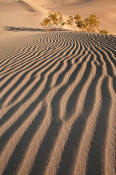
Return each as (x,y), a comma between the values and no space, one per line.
(57,104)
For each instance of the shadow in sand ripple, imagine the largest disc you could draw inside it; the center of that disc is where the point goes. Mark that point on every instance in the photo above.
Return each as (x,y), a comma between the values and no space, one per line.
(45,149)
(114,83)
(71,104)
(39,73)
(71,147)
(24,142)
(96,152)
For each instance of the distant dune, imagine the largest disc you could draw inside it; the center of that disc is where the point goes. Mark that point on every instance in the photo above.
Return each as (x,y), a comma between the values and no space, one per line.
(19,14)
(58,104)
(105,9)
(29,13)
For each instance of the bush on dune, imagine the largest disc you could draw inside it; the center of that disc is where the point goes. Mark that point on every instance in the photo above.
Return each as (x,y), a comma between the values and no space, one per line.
(70,21)
(54,19)
(79,22)
(104,32)
(89,24)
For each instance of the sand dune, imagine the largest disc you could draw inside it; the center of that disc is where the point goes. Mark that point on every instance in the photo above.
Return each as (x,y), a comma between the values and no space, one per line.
(104,9)
(29,13)
(57,91)
(57,104)
(19,14)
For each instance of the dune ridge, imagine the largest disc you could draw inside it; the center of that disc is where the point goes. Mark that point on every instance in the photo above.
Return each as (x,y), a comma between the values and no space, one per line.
(57,104)
(28,14)
(104,9)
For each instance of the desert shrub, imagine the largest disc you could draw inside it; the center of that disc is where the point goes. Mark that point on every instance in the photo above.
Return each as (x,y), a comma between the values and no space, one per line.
(46,22)
(79,22)
(77,18)
(70,21)
(104,32)
(60,19)
(54,19)
(89,24)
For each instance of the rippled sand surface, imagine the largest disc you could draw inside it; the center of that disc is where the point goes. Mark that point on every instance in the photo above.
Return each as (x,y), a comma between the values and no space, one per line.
(58,104)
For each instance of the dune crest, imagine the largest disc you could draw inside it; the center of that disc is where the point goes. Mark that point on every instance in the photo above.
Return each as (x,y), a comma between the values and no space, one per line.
(104,9)
(29,13)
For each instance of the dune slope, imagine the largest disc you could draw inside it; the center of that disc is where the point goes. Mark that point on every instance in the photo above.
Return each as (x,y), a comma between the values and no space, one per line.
(104,9)
(57,104)
(19,14)
(29,13)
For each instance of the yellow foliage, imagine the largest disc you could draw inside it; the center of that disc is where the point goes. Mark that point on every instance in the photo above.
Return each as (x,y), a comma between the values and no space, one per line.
(46,22)
(70,21)
(77,18)
(53,19)
(89,24)
(104,32)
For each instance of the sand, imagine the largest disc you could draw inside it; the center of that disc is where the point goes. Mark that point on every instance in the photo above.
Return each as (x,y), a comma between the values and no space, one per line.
(29,13)
(57,99)
(104,9)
